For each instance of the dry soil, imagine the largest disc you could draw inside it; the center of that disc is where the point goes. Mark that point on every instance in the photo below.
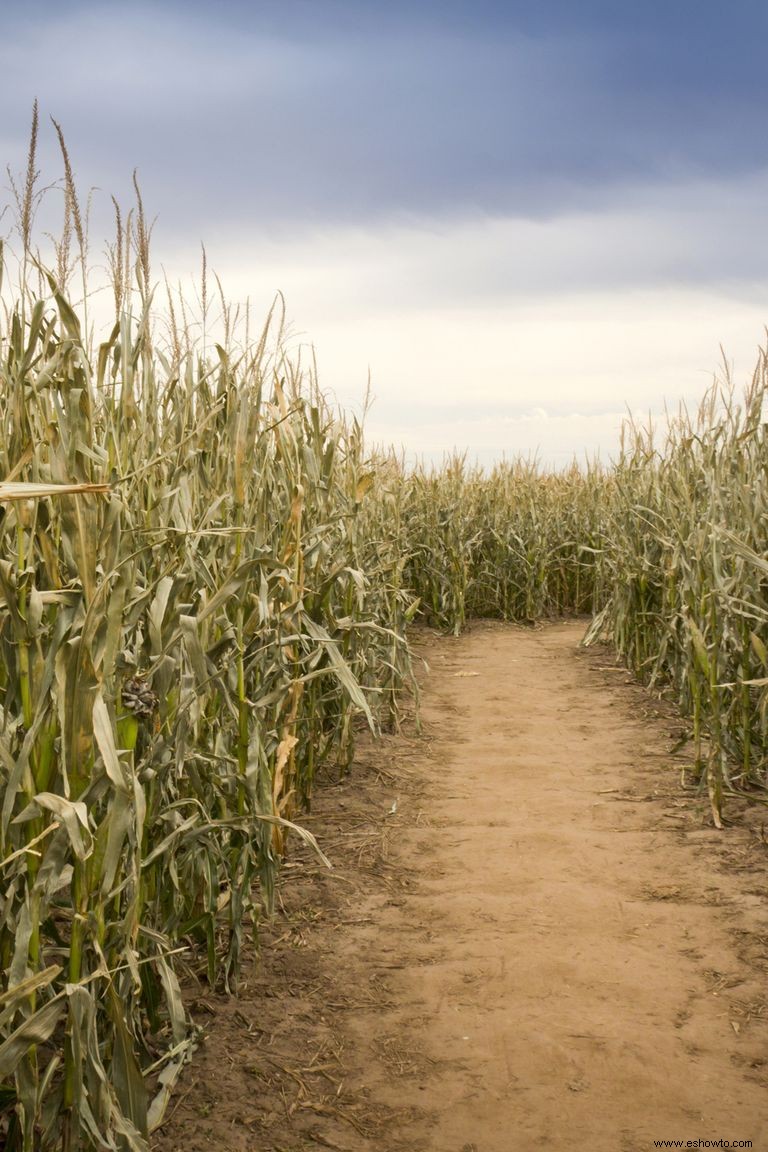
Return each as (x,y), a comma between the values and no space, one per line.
(532,937)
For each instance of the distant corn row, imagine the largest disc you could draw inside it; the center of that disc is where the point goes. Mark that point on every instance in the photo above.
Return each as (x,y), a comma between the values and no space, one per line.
(515,543)
(684,568)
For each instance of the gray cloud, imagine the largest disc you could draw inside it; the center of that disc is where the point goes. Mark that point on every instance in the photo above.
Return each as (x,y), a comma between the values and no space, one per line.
(324,112)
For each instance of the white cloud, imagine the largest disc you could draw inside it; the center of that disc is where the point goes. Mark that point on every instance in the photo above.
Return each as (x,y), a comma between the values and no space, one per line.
(554,440)
(506,335)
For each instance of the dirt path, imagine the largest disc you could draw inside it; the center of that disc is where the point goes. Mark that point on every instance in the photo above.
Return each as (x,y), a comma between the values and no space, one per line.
(533,939)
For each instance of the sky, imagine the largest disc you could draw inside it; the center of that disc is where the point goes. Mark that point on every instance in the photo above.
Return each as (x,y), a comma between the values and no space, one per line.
(520,219)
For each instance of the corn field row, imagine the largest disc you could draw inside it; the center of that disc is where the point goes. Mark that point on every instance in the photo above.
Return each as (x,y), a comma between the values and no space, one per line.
(206,581)
(684,569)
(190,630)
(514,543)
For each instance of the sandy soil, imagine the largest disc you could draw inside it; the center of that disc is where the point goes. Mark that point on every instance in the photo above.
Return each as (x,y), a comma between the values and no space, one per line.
(532,937)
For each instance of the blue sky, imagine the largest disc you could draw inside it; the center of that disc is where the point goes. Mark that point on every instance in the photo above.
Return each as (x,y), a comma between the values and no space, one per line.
(522,217)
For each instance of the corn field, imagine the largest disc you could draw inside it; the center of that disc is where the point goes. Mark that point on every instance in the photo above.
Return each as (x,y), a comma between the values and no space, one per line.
(685,576)
(206,581)
(193,623)
(514,543)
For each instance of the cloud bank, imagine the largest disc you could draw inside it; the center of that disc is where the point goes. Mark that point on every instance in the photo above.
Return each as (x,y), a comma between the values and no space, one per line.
(502,209)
